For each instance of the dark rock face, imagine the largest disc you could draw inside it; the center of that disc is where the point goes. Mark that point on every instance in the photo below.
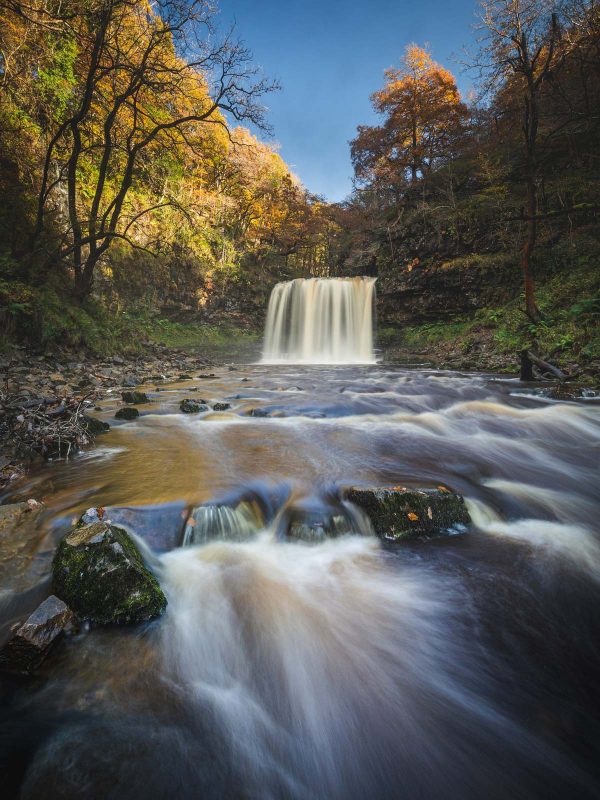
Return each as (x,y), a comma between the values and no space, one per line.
(446,290)
(99,572)
(95,426)
(192,407)
(221,406)
(31,642)
(135,397)
(399,513)
(127,413)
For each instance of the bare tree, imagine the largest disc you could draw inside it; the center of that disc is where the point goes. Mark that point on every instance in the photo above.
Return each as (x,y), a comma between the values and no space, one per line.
(519,44)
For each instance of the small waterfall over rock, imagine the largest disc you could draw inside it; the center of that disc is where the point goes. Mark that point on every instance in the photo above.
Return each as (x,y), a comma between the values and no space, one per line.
(321,321)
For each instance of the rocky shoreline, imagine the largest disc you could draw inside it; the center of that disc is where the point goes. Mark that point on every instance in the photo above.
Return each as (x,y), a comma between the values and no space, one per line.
(47,401)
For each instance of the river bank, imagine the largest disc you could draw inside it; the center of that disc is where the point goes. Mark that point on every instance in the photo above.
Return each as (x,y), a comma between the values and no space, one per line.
(38,392)
(46,398)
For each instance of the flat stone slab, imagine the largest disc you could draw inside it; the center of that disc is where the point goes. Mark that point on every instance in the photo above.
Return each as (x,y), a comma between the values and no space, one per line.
(399,513)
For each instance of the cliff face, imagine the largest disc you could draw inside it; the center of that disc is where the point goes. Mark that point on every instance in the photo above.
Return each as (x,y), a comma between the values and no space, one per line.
(456,287)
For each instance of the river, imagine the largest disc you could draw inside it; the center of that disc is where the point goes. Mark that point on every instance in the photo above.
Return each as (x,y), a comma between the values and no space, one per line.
(464,666)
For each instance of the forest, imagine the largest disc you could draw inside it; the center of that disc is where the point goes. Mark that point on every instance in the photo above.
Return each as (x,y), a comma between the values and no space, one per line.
(143,192)
(299,494)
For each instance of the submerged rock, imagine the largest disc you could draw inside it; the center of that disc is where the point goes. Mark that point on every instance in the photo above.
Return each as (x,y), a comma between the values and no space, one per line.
(31,642)
(399,513)
(20,537)
(133,398)
(569,391)
(315,526)
(258,412)
(99,572)
(192,406)
(127,413)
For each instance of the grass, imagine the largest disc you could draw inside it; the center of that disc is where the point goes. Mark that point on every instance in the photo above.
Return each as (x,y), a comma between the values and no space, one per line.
(568,331)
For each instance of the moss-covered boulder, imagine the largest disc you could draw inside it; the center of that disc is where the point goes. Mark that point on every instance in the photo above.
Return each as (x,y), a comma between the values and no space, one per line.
(99,572)
(399,513)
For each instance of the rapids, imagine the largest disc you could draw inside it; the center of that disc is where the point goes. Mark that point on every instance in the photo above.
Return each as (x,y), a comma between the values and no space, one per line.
(461,667)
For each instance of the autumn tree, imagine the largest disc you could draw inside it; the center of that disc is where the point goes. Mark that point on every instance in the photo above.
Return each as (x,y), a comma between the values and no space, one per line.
(423,118)
(148,79)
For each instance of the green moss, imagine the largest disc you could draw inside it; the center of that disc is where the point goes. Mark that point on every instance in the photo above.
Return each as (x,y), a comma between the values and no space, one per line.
(98,571)
(400,513)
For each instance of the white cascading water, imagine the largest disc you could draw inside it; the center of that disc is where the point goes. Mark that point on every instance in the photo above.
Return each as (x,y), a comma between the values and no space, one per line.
(321,321)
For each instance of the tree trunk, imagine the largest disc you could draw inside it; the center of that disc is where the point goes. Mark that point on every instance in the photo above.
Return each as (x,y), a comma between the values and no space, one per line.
(531,308)
(84,280)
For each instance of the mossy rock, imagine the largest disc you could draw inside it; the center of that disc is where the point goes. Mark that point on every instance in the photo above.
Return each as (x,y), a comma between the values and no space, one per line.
(221,406)
(192,407)
(127,413)
(99,572)
(133,398)
(398,513)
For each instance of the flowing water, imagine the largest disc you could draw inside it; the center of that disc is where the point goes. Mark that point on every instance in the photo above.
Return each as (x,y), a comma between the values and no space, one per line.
(465,666)
(321,321)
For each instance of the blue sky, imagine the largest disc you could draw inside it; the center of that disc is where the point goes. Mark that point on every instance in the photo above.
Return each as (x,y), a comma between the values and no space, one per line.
(329,57)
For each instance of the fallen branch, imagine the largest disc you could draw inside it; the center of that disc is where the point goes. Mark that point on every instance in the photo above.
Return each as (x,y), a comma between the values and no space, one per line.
(544,365)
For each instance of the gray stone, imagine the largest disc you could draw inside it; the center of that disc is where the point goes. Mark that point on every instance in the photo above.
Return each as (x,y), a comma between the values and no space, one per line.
(30,642)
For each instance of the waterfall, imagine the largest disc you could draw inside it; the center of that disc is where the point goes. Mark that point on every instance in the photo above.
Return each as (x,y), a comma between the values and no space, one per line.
(321,321)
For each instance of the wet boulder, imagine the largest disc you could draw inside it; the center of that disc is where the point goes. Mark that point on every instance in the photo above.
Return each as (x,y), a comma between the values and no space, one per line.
(133,398)
(192,406)
(399,513)
(95,426)
(127,413)
(98,570)
(31,641)
(221,406)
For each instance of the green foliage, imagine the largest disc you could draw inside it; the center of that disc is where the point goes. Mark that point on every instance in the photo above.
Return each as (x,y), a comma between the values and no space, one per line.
(57,79)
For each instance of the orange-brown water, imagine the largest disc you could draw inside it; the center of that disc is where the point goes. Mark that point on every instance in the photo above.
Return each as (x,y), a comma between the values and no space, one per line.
(461,667)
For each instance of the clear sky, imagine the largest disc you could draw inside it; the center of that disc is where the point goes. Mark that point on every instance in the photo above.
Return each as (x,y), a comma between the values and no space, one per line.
(329,57)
